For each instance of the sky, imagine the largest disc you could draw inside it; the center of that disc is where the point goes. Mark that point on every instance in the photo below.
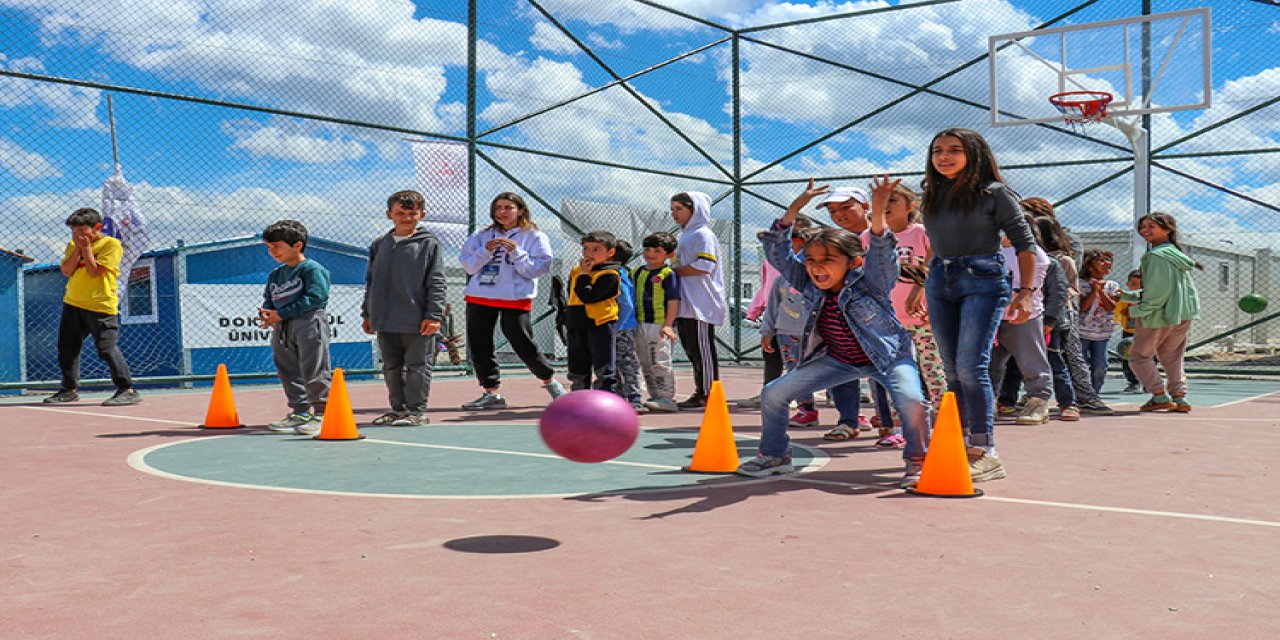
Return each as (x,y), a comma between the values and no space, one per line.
(205,172)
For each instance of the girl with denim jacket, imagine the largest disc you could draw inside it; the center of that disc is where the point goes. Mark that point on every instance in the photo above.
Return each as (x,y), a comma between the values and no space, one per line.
(850,330)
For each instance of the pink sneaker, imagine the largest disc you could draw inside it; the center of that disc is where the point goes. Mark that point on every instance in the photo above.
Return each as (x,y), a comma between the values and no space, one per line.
(863,423)
(804,418)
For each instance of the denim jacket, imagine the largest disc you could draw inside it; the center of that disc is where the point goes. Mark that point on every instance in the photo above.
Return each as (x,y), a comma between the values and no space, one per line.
(864,298)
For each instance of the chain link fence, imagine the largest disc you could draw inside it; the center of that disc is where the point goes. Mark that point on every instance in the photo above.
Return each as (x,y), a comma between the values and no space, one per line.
(231,115)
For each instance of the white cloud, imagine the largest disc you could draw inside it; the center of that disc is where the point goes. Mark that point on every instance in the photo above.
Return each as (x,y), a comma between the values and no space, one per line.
(602,42)
(370,61)
(546,37)
(23,164)
(70,107)
(276,142)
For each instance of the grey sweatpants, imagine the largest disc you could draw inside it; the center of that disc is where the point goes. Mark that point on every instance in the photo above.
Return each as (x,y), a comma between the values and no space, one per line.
(655,361)
(628,365)
(408,360)
(300,348)
(1025,344)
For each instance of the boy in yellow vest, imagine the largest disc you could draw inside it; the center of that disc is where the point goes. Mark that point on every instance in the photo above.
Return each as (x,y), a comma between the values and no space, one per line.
(591,316)
(91,308)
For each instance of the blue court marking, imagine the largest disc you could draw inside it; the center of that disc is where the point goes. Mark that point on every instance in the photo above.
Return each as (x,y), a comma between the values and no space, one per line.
(441,461)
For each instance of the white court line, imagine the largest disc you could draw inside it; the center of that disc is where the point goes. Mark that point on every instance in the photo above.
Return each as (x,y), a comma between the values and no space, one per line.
(529,454)
(112,415)
(1073,505)
(1262,395)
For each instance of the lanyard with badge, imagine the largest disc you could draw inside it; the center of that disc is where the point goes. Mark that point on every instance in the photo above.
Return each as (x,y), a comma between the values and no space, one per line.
(489,273)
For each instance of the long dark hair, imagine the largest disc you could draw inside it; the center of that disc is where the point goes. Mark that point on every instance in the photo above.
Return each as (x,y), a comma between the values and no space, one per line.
(979,171)
(1052,238)
(523,220)
(1166,222)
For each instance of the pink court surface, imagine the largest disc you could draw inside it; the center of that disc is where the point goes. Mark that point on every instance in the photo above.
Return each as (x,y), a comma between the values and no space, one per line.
(133,523)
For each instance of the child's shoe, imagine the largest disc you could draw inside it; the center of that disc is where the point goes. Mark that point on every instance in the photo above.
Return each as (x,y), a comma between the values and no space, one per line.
(749,403)
(1036,412)
(911,475)
(1182,405)
(693,402)
(863,423)
(1069,414)
(554,388)
(1006,410)
(1159,403)
(984,466)
(804,418)
(410,420)
(123,398)
(311,428)
(489,400)
(662,405)
(290,422)
(1096,407)
(639,406)
(1133,388)
(762,465)
(62,396)
(892,441)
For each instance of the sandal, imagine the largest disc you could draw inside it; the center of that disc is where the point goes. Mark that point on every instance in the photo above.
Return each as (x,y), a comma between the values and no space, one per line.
(892,441)
(841,433)
(387,418)
(1181,404)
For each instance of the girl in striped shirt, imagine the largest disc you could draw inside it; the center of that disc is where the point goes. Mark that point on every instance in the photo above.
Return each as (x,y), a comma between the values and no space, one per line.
(851,331)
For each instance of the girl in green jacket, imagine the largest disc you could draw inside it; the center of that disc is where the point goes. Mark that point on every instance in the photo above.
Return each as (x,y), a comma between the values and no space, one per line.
(1163,309)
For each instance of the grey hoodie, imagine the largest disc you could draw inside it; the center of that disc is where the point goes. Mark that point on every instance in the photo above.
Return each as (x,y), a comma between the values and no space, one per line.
(404,284)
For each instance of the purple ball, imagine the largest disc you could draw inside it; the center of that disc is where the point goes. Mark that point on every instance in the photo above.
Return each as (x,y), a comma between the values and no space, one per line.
(589,426)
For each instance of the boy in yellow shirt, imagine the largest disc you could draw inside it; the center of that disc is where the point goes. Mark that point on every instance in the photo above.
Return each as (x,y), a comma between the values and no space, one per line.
(91,307)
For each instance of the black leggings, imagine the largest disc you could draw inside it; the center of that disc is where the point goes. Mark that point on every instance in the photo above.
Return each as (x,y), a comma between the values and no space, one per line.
(481,321)
(699,341)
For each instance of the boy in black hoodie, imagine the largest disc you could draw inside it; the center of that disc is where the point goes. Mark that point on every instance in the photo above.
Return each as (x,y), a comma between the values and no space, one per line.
(403,304)
(591,316)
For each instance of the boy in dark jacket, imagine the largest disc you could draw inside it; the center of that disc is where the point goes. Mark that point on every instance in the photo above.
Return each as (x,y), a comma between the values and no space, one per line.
(592,314)
(403,304)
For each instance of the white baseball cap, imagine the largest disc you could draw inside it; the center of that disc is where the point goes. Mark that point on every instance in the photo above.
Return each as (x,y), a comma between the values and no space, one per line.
(841,194)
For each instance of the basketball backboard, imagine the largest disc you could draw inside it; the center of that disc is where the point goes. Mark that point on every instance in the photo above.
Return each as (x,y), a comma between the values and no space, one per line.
(1150,64)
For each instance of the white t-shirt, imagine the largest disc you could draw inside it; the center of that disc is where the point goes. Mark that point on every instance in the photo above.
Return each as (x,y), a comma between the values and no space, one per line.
(1096,323)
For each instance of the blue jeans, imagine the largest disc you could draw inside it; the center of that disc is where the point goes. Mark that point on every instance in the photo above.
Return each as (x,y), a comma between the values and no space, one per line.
(1062,389)
(1095,353)
(902,381)
(967,296)
(847,397)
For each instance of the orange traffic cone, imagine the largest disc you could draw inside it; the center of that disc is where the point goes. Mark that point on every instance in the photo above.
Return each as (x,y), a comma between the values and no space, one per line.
(339,421)
(716,450)
(222,406)
(946,466)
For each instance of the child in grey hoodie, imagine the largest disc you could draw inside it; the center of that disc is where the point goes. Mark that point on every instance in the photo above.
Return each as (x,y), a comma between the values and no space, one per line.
(403,304)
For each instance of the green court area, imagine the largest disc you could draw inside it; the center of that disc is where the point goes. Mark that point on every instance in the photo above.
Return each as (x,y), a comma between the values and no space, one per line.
(440,461)
(1201,392)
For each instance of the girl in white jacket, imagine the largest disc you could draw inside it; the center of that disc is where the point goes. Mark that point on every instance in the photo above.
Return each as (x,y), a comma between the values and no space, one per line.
(504,262)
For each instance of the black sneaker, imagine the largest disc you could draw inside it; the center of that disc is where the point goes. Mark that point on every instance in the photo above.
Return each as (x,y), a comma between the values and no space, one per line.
(1096,408)
(62,396)
(122,398)
(693,402)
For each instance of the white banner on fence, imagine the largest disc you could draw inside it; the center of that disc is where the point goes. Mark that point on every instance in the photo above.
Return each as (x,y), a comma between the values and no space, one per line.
(441,172)
(224,315)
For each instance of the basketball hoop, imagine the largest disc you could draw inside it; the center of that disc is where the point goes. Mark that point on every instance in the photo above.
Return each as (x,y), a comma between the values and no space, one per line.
(1081,107)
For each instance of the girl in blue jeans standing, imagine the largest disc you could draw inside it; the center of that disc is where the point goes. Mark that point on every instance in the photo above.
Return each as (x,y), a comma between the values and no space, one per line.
(966,207)
(850,331)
